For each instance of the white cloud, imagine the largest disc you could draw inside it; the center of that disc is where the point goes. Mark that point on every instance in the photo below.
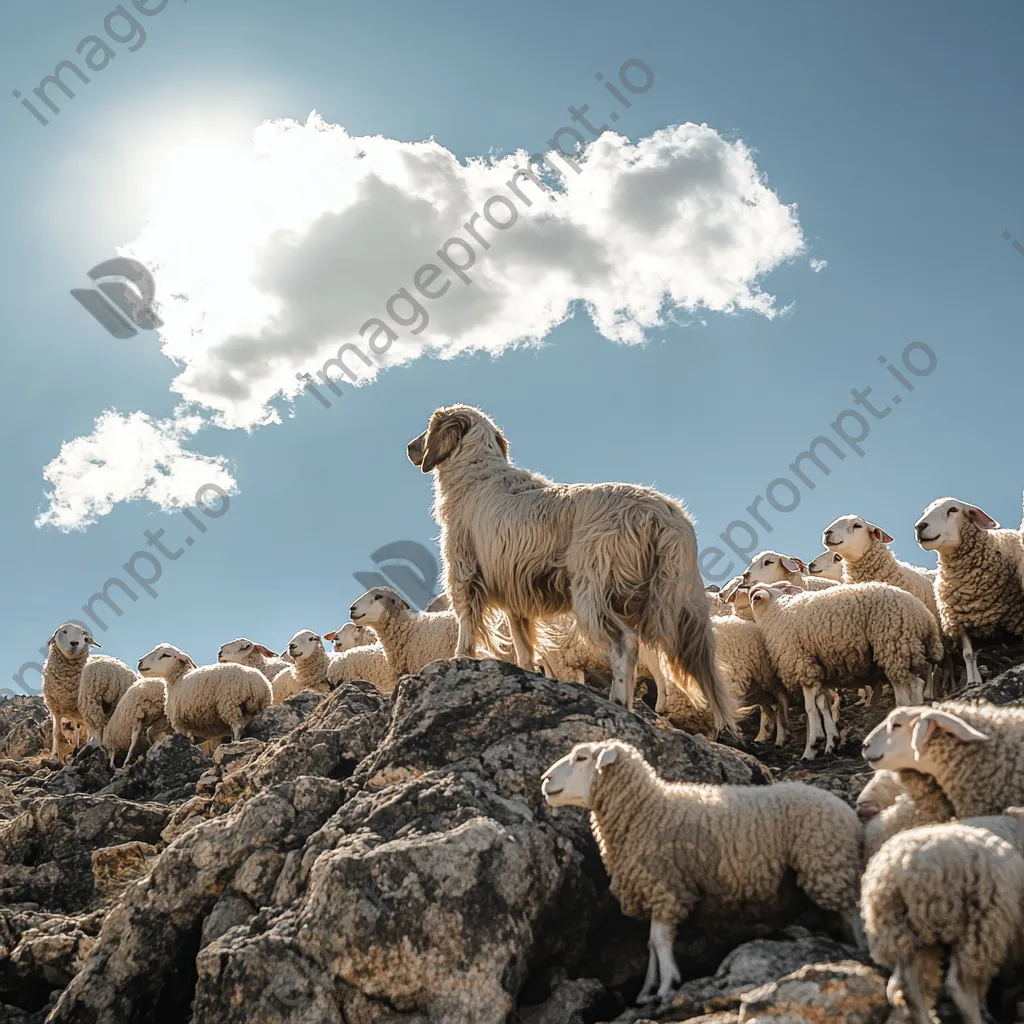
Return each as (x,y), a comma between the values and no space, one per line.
(126,458)
(266,261)
(818,265)
(265,265)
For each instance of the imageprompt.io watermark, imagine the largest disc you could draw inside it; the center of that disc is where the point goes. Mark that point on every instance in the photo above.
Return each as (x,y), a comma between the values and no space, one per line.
(123,304)
(849,427)
(458,253)
(418,584)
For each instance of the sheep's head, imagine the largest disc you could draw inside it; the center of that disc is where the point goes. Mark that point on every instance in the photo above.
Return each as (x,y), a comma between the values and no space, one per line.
(163,661)
(852,536)
(940,526)
(305,643)
(880,792)
(350,635)
(828,564)
(453,429)
(238,651)
(377,605)
(771,567)
(763,595)
(570,780)
(902,739)
(72,640)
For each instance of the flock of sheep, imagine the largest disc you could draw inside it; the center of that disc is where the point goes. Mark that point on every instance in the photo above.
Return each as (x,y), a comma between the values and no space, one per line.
(571,579)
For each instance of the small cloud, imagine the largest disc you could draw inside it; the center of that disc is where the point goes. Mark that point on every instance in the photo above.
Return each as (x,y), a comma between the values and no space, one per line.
(126,458)
(818,265)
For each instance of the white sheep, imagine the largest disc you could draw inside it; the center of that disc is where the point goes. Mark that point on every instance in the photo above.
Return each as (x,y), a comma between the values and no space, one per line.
(979,585)
(141,710)
(104,682)
(892,802)
(209,701)
(956,887)
(840,635)
(622,558)
(315,669)
(828,565)
(773,567)
(62,676)
(974,751)
(669,846)
(244,652)
(350,635)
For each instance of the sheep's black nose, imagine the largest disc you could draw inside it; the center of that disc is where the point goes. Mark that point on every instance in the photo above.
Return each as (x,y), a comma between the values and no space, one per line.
(919,528)
(72,644)
(351,609)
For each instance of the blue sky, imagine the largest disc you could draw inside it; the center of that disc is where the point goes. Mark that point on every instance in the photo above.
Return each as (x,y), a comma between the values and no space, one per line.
(892,130)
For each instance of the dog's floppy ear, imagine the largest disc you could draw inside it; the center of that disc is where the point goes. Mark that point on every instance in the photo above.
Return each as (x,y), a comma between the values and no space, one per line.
(502,442)
(446,430)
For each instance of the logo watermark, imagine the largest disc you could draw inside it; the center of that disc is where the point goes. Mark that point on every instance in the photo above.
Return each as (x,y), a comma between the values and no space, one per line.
(124,303)
(418,584)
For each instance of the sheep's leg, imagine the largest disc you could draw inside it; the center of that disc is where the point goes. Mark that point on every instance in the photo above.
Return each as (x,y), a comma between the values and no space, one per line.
(781,719)
(967,994)
(762,733)
(826,707)
(873,692)
(813,723)
(904,979)
(57,729)
(903,693)
(623,656)
(921,689)
(662,936)
(651,980)
(661,704)
(136,734)
(971,661)
(523,642)
(929,686)
(237,728)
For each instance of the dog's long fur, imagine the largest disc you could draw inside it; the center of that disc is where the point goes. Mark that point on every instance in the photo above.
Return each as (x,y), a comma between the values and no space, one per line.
(623,558)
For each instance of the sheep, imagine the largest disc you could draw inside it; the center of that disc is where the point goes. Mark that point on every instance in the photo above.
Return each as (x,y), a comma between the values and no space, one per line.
(315,669)
(141,710)
(667,846)
(975,752)
(772,567)
(244,652)
(979,586)
(209,701)
(828,565)
(866,558)
(350,635)
(839,635)
(62,676)
(892,802)
(622,557)
(105,680)
(955,886)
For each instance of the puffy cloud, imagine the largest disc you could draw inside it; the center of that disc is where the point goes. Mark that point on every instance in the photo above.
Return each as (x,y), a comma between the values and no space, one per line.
(263,272)
(126,458)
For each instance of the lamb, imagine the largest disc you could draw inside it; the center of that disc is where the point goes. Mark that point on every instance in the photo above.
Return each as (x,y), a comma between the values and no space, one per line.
(839,635)
(315,669)
(622,557)
(668,847)
(62,676)
(771,567)
(209,701)
(140,710)
(244,652)
(954,886)
(979,586)
(974,751)
(350,635)
(104,682)
(893,802)
(828,565)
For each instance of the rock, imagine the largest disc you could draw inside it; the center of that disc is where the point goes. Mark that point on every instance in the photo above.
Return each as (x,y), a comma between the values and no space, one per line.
(234,755)
(113,867)
(570,1002)
(88,771)
(840,993)
(1007,688)
(280,719)
(24,727)
(167,773)
(427,898)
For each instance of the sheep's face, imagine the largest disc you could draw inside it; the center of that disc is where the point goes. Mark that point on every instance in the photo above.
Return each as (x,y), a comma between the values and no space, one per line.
(902,740)
(304,643)
(881,791)
(939,527)
(162,660)
(237,651)
(454,429)
(350,635)
(73,640)
(852,536)
(771,567)
(376,605)
(569,781)
(828,564)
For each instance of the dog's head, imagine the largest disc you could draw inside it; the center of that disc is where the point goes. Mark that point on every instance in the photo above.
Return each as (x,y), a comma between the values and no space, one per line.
(451,429)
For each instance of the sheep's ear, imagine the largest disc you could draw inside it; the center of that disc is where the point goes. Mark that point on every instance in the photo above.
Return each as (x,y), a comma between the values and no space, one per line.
(980,518)
(933,719)
(186,660)
(91,641)
(728,592)
(265,650)
(445,432)
(1015,812)
(502,442)
(53,636)
(330,636)
(787,588)
(792,564)
(606,757)
(879,534)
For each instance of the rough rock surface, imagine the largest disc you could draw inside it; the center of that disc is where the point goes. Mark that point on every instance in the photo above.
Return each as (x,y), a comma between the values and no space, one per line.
(368,860)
